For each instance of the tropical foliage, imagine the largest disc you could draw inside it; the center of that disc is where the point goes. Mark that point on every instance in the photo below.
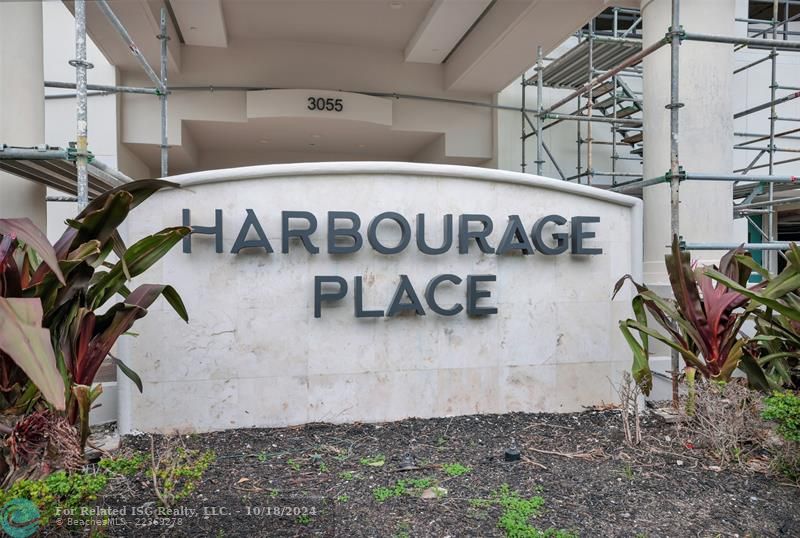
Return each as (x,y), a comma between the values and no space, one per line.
(775,306)
(784,408)
(702,322)
(58,320)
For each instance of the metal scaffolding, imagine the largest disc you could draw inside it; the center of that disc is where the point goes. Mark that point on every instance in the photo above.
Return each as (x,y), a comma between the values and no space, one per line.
(596,59)
(53,166)
(58,168)
(599,64)
(598,70)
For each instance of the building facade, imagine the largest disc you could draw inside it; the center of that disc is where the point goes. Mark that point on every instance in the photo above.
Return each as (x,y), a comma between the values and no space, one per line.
(436,82)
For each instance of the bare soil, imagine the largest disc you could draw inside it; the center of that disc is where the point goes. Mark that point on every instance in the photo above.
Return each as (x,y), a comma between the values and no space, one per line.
(316,480)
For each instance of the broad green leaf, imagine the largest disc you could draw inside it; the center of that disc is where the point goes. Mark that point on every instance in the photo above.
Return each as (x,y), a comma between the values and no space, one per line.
(101,223)
(684,286)
(141,190)
(138,258)
(174,299)
(765,338)
(129,373)
(753,265)
(26,231)
(641,361)
(100,259)
(107,328)
(755,374)
(766,359)
(28,344)
(731,265)
(641,316)
(771,303)
(689,357)
(85,250)
(731,362)
(104,333)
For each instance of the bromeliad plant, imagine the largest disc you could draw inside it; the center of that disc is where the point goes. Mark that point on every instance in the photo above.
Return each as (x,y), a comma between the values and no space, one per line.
(702,322)
(56,324)
(775,305)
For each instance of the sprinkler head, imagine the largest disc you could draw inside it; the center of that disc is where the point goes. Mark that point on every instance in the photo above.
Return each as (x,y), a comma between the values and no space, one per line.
(407,463)
(512,454)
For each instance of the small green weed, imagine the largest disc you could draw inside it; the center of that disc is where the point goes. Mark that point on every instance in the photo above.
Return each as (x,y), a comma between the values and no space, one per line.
(403,530)
(412,486)
(627,470)
(343,498)
(262,457)
(418,483)
(384,494)
(321,465)
(374,461)
(455,469)
(784,408)
(480,503)
(57,491)
(178,472)
(517,513)
(293,464)
(347,475)
(304,519)
(122,465)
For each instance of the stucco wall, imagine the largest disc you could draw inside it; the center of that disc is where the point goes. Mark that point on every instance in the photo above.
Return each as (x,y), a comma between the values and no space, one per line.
(253,353)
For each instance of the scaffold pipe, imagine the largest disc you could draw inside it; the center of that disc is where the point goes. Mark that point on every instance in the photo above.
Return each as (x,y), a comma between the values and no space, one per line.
(750,42)
(32,154)
(81,65)
(126,37)
(630,185)
(772,103)
(636,58)
(778,201)
(737,177)
(101,87)
(782,245)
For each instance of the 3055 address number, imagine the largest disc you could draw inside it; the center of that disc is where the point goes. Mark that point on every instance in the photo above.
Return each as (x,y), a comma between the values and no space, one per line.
(325,103)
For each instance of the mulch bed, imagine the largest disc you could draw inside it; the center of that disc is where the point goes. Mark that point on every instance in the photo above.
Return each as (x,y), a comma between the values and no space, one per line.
(592,483)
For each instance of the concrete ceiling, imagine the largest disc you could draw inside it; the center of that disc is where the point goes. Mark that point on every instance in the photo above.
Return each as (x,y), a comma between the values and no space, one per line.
(368,23)
(445,24)
(486,44)
(463,49)
(202,22)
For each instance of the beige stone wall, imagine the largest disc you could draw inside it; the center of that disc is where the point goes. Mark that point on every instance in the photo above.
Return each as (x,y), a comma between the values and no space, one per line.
(253,353)
(21,104)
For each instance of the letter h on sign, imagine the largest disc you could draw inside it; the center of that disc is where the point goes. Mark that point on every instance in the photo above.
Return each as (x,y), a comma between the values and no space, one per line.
(215,230)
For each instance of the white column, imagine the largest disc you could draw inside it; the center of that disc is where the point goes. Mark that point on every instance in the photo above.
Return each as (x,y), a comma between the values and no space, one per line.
(21,103)
(706,129)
